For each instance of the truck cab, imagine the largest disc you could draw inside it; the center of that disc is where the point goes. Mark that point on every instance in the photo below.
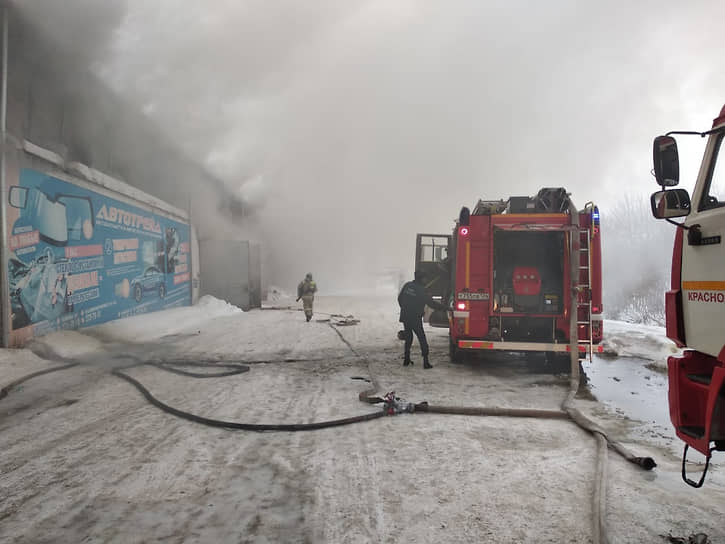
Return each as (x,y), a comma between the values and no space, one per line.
(695,303)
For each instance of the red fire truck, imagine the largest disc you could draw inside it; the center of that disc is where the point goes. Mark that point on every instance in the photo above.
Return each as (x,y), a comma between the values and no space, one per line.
(509,272)
(695,304)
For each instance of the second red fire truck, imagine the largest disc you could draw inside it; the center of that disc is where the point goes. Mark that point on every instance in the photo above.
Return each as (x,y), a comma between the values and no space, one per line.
(515,273)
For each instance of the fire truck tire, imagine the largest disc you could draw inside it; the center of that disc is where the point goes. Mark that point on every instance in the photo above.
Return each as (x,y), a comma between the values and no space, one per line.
(558,363)
(455,353)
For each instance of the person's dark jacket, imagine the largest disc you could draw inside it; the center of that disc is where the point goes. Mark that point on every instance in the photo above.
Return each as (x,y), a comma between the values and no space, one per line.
(413,300)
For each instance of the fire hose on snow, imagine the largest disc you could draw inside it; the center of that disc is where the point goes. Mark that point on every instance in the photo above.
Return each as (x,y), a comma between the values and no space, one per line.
(5,390)
(391,405)
(394,405)
(259,427)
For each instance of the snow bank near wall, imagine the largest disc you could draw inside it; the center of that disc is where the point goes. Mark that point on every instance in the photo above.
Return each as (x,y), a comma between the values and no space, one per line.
(65,344)
(642,341)
(144,328)
(137,329)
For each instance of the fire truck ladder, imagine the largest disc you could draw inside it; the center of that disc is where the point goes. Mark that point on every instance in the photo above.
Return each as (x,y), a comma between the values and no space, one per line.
(584,294)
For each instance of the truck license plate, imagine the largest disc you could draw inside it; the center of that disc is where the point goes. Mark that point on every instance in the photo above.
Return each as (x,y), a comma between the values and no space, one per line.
(472,296)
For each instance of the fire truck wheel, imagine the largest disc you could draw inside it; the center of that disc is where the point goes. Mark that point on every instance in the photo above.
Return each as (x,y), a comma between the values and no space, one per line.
(533,359)
(456,354)
(558,363)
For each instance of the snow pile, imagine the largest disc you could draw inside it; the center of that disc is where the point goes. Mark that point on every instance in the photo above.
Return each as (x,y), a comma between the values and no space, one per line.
(215,307)
(65,344)
(137,329)
(147,327)
(633,340)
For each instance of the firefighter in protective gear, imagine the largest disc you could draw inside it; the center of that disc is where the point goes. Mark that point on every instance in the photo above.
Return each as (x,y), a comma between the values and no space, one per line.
(306,291)
(413,300)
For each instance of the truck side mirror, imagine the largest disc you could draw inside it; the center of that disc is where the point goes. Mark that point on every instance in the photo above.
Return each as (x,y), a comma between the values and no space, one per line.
(18,196)
(672,203)
(666,161)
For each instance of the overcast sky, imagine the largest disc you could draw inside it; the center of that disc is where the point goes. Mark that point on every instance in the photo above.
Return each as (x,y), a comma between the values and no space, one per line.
(353,125)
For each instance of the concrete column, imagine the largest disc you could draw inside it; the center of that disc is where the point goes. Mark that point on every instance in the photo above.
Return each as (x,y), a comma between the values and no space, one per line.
(5,320)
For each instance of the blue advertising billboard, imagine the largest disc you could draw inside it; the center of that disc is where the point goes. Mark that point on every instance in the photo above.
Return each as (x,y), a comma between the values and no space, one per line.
(79,258)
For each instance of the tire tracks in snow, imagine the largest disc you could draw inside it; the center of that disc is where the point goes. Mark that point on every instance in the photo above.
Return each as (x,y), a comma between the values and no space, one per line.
(362,475)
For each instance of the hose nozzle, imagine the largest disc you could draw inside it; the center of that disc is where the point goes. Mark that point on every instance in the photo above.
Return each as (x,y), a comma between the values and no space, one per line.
(646,463)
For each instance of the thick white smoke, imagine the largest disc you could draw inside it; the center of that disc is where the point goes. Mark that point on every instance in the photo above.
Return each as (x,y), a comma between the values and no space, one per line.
(351,126)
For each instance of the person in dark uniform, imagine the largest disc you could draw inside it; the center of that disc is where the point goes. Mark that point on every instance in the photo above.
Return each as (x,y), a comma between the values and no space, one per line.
(413,300)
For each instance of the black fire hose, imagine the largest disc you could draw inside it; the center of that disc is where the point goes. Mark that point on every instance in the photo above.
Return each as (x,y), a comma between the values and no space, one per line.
(646,463)
(5,390)
(235,368)
(168,366)
(259,427)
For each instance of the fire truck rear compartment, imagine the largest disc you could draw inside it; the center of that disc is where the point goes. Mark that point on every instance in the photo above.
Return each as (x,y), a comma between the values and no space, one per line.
(528,284)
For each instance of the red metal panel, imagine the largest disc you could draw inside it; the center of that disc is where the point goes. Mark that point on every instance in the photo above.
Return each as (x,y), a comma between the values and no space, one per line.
(562,323)
(691,401)
(673,394)
(676,275)
(674,318)
(473,273)
(527,280)
(545,221)
(715,419)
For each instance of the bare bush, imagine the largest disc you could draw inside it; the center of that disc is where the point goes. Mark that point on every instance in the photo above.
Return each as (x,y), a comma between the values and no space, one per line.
(636,255)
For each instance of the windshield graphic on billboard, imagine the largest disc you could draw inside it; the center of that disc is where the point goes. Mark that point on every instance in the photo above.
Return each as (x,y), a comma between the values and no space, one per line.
(79,258)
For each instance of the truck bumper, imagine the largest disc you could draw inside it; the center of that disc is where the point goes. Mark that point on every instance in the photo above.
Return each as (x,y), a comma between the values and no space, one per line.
(521,346)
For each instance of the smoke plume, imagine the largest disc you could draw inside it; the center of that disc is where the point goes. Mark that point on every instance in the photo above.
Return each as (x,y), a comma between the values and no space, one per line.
(351,126)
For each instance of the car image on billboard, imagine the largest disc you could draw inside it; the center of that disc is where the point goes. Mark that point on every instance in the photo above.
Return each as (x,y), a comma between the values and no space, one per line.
(151,280)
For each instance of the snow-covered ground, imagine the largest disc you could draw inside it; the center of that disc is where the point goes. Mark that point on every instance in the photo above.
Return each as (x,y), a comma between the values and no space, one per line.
(86,458)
